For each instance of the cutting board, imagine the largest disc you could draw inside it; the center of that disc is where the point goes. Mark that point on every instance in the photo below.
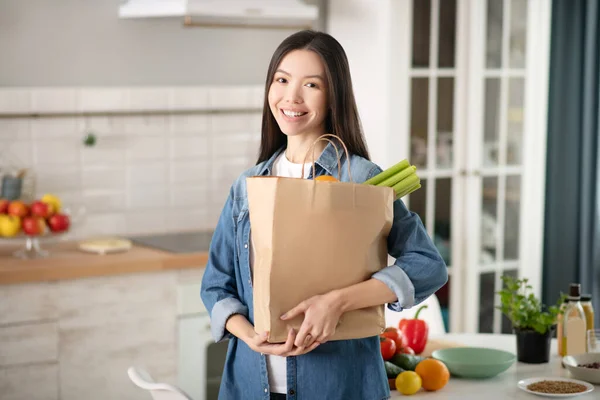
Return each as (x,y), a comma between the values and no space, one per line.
(439,344)
(105,245)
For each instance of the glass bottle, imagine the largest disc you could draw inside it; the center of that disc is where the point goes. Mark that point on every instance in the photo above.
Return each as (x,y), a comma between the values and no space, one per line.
(588,310)
(574,328)
(559,327)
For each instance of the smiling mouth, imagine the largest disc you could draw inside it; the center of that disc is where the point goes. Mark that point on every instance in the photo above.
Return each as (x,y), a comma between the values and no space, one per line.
(293,114)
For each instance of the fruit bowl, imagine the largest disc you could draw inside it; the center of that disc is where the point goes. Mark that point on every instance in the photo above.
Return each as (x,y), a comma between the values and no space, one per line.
(32,247)
(34,230)
(475,362)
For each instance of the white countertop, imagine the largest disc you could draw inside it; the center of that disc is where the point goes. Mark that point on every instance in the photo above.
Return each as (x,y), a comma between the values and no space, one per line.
(502,386)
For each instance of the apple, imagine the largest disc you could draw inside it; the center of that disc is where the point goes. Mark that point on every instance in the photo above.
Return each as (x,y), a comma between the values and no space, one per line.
(40,209)
(53,202)
(9,225)
(18,209)
(59,222)
(4,206)
(33,226)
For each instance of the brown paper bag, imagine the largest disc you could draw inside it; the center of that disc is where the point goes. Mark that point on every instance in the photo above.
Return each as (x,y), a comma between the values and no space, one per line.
(311,237)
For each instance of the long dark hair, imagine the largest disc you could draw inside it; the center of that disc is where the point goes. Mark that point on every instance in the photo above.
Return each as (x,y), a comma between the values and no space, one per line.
(342,119)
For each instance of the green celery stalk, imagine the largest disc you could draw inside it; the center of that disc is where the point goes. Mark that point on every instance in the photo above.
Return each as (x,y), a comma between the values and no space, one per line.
(393,180)
(409,190)
(391,171)
(406,183)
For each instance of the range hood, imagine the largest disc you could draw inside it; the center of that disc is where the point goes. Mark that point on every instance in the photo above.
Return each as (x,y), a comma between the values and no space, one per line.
(265,13)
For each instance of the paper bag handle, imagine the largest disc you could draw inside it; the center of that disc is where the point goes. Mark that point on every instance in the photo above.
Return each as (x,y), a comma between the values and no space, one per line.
(312,149)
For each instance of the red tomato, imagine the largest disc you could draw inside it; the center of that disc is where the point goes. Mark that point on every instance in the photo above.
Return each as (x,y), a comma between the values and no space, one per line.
(395,334)
(388,347)
(405,350)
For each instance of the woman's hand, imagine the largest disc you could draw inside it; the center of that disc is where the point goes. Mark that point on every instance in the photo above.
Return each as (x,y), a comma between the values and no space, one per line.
(259,343)
(321,316)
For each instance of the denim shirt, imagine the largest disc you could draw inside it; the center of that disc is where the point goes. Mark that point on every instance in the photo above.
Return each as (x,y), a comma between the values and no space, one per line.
(344,369)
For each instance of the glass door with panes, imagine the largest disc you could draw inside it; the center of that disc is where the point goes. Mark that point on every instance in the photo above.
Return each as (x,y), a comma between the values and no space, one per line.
(433,75)
(470,117)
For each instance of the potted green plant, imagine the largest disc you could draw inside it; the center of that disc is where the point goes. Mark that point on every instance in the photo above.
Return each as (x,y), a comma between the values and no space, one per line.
(533,323)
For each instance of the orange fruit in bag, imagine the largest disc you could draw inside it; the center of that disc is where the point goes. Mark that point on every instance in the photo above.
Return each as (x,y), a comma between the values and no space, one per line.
(326,178)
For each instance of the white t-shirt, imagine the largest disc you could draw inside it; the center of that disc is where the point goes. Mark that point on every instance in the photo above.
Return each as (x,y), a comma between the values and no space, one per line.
(276,365)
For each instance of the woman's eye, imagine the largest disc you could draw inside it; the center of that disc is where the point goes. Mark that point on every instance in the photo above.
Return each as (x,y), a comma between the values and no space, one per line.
(311,85)
(281,80)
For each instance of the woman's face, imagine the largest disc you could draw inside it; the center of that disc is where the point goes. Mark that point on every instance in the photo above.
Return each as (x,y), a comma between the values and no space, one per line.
(298,94)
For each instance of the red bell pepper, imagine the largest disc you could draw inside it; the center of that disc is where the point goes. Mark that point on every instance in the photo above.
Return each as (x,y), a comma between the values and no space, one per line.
(414,332)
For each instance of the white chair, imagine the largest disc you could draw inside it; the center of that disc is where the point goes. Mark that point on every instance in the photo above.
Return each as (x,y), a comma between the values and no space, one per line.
(432,314)
(158,391)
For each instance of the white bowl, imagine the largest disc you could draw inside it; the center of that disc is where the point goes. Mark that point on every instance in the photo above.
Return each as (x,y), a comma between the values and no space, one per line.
(585,374)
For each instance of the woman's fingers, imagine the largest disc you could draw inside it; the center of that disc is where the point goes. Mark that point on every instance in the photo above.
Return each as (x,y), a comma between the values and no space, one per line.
(264,347)
(289,343)
(325,335)
(299,350)
(310,339)
(288,348)
(260,338)
(304,330)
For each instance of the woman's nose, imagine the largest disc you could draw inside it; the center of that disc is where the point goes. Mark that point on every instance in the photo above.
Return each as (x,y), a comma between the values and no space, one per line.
(293,95)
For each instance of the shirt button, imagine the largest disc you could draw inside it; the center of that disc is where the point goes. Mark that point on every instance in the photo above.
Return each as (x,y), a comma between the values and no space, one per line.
(266,390)
(291,392)
(245,245)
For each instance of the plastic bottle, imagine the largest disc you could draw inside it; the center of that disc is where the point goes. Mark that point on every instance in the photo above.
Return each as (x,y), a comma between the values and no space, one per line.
(574,326)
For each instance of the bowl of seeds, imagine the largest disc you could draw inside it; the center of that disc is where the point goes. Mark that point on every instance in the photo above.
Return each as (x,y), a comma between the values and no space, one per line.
(555,387)
(585,367)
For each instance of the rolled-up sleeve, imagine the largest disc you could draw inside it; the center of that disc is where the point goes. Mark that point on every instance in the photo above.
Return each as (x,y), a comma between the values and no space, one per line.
(419,270)
(219,289)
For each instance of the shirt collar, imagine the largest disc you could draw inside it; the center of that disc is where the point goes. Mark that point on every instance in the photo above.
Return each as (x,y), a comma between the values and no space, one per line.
(327,160)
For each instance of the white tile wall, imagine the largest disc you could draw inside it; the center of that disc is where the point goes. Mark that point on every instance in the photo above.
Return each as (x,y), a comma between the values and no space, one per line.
(15,100)
(58,179)
(147,148)
(56,152)
(165,172)
(103,99)
(53,128)
(189,125)
(189,98)
(102,201)
(20,151)
(149,98)
(49,99)
(15,129)
(104,177)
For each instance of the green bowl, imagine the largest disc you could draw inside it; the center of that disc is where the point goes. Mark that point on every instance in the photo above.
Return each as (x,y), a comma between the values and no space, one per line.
(475,362)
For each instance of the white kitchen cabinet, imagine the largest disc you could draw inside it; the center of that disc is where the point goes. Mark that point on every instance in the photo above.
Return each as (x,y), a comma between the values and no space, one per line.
(459,87)
(200,360)
(76,338)
(30,343)
(30,382)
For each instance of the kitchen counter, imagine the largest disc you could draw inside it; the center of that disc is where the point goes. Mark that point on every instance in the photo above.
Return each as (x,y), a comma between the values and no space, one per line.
(504,385)
(67,262)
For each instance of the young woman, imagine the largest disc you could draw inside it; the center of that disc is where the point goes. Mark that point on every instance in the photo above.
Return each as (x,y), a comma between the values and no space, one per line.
(308,92)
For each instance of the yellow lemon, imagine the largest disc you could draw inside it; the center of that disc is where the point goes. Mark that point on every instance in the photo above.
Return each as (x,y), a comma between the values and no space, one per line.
(9,225)
(408,382)
(53,201)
